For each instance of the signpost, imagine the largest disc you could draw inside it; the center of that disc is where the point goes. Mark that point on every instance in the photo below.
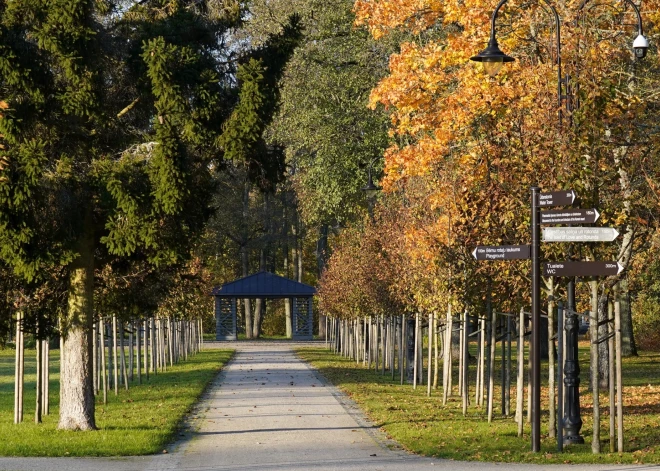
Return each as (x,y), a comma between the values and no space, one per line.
(582,268)
(572,422)
(569,216)
(501,252)
(579,234)
(556,198)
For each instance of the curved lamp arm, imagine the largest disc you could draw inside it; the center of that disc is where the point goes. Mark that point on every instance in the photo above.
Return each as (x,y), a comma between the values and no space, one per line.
(640,44)
(492,53)
(640,28)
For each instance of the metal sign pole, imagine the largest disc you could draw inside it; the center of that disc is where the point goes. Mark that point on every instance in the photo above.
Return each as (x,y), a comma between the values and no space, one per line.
(536,323)
(560,375)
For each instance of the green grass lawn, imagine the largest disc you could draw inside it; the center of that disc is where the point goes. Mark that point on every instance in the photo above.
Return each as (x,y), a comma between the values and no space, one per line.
(139,421)
(423,425)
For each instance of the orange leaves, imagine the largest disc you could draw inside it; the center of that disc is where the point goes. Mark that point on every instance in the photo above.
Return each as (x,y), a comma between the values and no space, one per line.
(382,16)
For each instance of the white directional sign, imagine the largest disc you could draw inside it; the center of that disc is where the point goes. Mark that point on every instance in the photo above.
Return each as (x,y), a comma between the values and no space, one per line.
(569,216)
(579,234)
(501,252)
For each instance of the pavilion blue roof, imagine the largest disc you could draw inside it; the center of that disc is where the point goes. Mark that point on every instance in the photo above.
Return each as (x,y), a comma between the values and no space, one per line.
(264,285)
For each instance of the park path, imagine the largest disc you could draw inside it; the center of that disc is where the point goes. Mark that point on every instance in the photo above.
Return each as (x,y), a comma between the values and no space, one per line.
(268,410)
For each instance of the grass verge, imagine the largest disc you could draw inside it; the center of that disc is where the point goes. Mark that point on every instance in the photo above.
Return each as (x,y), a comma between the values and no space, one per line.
(424,426)
(142,420)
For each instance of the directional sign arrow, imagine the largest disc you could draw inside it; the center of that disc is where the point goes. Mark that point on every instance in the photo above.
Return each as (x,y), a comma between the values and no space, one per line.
(582,268)
(569,216)
(501,252)
(579,234)
(557,198)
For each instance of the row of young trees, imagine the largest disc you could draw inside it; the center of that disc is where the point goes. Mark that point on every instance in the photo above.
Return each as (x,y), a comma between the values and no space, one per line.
(466,149)
(121,353)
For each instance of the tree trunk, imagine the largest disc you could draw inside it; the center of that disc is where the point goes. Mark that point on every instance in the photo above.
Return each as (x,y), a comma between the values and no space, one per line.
(603,354)
(104,371)
(285,264)
(491,359)
(622,296)
(446,363)
(39,378)
(138,351)
(321,260)
(115,362)
(45,408)
(260,303)
(95,361)
(122,353)
(131,352)
(416,364)
(259,309)
(247,305)
(77,388)
(244,258)
(20,369)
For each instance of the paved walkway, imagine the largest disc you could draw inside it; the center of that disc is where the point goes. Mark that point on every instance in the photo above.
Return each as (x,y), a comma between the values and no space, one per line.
(270,411)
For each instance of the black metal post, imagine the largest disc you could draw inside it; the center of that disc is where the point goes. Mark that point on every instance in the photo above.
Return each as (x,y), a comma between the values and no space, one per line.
(572,420)
(560,375)
(536,322)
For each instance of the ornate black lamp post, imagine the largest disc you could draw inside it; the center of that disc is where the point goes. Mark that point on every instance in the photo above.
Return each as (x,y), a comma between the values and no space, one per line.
(492,59)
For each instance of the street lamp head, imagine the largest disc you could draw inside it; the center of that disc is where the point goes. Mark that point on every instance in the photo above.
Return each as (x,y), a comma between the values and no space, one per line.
(640,46)
(370,188)
(492,58)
